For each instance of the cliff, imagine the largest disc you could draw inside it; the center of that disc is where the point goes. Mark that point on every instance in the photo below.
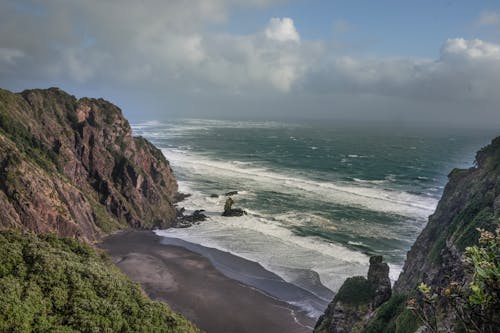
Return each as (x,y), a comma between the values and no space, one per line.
(356,300)
(71,166)
(471,200)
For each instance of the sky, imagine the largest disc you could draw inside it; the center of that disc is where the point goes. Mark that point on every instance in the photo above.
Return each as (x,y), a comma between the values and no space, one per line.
(434,63)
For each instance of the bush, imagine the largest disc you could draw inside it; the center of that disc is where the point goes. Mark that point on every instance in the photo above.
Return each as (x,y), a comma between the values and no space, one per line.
(48,284)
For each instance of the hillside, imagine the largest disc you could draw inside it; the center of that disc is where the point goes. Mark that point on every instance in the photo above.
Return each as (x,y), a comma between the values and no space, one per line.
(71,166)
(48,284)
(71,172)
(471,200)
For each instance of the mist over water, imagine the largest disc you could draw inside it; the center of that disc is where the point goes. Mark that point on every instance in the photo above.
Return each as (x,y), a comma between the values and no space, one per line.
(320,198)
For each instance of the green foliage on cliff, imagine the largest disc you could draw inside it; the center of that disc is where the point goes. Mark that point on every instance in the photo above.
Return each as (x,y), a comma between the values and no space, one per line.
(49,284)
(26,142)
(393,317)
(355,291)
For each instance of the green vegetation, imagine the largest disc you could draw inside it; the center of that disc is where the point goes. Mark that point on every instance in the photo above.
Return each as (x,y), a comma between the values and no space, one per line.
(393,317)
(48,284)
(27,143)
(476,304)
(355,291)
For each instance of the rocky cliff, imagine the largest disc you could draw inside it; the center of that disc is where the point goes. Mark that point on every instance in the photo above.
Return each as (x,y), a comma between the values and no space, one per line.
(71,166)
(471,200)
(356,300)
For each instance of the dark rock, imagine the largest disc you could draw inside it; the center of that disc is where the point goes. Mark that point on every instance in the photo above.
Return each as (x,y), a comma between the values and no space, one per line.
(229,211)
(180,197)
(378,276)
(234,212)
(186,221)
(228,194)
(213,195)
(356,300)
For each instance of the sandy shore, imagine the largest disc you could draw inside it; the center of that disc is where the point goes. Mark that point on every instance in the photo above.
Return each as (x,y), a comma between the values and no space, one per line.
(191,285)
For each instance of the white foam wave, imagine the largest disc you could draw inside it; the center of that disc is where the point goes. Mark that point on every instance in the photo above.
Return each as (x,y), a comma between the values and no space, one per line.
(368,197)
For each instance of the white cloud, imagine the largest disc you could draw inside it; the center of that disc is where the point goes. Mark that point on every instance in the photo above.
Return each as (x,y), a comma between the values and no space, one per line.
(164,48)
(282,30)
(488,18)
(471,49)
(465,70)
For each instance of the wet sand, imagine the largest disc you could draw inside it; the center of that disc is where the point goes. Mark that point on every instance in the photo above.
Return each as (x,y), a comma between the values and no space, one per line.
(192,286)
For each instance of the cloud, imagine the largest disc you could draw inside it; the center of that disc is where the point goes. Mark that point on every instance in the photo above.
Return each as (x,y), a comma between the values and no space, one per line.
(488,18)
(282,30)
(157,51)
(470,49)
(8,56)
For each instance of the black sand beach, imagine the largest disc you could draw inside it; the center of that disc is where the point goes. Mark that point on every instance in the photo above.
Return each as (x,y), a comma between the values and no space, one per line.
(191,285)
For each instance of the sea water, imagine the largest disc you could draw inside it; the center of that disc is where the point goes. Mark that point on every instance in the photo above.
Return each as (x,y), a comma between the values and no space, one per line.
(320,197)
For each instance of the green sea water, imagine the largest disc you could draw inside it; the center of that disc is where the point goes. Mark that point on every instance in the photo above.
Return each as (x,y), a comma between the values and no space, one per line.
(321,197)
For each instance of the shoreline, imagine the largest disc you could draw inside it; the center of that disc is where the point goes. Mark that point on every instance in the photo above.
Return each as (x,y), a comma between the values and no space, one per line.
(192,285)
(254,275)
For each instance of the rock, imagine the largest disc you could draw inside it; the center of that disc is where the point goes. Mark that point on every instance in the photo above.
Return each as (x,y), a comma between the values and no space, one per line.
(378,276)
(228,194)
(72,167)
(213,195)
(234,212)
(356,299)
(186,221)
(229,211)
(180,197)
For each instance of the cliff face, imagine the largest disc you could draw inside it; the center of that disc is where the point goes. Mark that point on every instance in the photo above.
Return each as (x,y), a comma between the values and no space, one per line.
(72,166)
(471,200)
(356,300)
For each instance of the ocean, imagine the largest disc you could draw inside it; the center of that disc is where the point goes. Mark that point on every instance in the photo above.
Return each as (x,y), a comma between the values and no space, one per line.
(321,197)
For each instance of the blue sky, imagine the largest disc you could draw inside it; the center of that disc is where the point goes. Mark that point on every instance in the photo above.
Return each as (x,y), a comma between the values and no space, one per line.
(383,27)
(414,61)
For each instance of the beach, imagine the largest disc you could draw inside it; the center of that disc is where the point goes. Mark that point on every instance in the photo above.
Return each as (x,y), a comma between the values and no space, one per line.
(192,286)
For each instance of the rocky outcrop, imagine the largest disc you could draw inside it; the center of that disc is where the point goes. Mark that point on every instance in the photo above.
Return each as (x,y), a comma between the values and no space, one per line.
(71,166)
(356,300)
(183,220)
(229,210)
(470,200)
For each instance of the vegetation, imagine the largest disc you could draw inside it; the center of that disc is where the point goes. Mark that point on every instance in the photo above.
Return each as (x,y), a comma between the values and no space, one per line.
(26,142)
(356,291)
(476,304)
(393,317)
(49,284)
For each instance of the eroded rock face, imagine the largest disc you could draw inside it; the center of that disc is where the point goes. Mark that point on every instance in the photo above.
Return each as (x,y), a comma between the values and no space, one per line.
(72,166)
(378,276)
(356,300)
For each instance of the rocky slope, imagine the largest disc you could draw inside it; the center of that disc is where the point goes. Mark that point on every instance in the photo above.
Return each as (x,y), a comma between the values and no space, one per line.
(471,200)
(356,300)
(71,166)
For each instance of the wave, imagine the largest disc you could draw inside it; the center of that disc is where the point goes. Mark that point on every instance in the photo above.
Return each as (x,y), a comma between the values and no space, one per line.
(374,198)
